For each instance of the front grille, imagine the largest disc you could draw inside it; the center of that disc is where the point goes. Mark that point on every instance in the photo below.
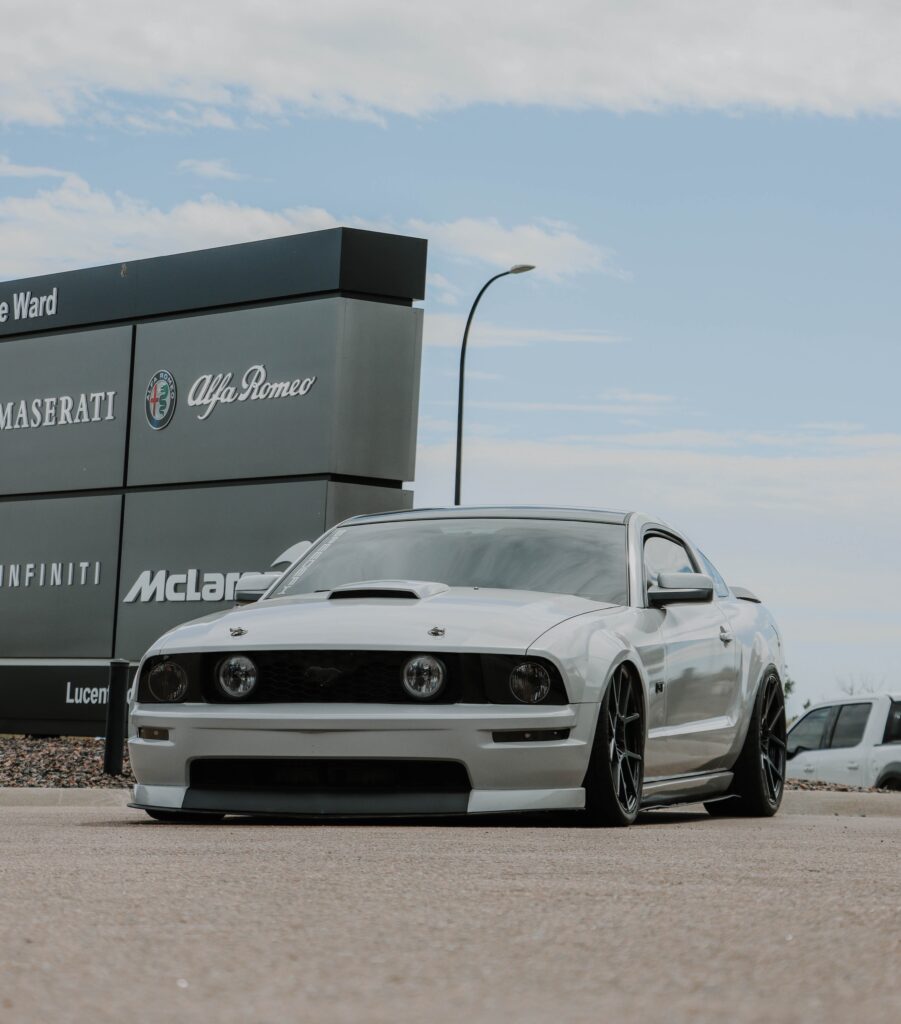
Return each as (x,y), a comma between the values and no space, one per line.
(329,775)
(348,677)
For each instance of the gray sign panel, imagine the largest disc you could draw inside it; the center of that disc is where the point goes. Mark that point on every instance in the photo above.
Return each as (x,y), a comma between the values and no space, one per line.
(48,697)
(64,411)
(324,386)
(58,576)
(183,550)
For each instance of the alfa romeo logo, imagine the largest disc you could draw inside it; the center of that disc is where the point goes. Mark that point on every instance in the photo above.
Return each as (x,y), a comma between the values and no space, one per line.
(159,402)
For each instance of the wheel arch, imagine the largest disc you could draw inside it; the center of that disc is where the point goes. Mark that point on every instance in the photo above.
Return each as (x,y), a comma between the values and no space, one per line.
(890,773)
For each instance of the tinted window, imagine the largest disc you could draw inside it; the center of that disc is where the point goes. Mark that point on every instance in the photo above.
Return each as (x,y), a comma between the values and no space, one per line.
(551,556)
(893,725)
(664,555)
(718,582)
(808,733)
(852,720)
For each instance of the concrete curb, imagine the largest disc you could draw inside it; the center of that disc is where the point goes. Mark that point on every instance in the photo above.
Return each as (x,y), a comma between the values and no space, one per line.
(36,797)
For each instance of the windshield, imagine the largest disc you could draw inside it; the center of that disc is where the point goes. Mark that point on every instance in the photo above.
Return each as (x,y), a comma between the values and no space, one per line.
(552,556)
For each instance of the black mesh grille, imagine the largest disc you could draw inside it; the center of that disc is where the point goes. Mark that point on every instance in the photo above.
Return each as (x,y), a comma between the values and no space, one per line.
(329,775)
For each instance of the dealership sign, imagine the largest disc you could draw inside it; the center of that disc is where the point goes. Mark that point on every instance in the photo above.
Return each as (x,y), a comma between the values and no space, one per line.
(50,574)
(57,410)
(163,586)
(29,306)
(211,390)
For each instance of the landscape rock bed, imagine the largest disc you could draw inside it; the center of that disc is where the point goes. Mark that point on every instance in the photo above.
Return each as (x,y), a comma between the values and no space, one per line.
(64,762)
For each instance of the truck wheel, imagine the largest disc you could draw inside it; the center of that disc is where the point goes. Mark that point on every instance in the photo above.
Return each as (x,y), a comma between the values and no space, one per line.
(759,780)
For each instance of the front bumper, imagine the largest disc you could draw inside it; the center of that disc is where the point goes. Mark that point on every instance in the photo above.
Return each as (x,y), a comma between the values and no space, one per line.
(504,776)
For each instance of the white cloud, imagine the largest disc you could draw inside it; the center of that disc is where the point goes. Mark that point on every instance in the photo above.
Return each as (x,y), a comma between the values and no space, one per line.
(553,248)
(68,223)
(211,61)
(217,169)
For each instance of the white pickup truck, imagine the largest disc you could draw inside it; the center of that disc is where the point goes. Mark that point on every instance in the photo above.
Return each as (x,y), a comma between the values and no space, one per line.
(856,740)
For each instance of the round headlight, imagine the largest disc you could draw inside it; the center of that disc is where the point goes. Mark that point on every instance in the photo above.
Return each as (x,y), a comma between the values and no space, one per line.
(424,676)
(237,676)
(168,682)
(530,682)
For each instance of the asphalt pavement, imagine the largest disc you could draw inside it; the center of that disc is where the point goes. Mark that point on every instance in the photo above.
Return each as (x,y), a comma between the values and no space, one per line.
(108,916)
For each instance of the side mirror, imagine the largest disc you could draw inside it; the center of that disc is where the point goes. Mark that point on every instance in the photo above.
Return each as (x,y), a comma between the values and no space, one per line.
(252,585)
(680,588)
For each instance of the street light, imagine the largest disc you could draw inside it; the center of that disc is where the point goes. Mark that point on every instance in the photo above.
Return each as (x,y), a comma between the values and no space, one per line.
(519,268)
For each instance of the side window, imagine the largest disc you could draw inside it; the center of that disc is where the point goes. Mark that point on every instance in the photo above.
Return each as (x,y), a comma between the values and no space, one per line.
(849,727)
(809,732)
(664,555)
(718,582)
(893,725)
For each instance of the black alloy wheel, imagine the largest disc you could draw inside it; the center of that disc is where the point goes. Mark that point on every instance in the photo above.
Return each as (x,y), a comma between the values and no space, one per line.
(616,768)
(759,781)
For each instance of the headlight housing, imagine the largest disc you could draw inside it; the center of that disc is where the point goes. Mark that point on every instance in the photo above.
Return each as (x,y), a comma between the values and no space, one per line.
(168,682)
(237,676)
(530,682)
(424,676)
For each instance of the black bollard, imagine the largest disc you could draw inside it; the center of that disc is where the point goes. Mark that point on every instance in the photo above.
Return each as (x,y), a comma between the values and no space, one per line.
(115,717)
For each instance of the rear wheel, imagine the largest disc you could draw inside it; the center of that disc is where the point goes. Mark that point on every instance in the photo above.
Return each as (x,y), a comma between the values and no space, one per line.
(184,817)
(759,780)
(616,767)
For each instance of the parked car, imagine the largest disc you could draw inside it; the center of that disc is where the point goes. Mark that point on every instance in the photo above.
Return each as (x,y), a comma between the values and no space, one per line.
(465,661)
(854,740)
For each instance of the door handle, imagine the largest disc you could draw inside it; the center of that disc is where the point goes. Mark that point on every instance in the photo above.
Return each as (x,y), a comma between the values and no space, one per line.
(808,768)
(853,766)
(726,635)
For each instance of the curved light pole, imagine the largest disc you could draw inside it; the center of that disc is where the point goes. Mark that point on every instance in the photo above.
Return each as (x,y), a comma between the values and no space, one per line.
(519,268)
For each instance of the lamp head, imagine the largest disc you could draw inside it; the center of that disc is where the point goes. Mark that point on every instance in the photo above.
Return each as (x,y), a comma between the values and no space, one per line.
(521,268)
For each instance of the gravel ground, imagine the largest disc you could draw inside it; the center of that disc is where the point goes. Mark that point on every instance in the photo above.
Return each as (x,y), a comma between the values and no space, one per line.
(71,762)
(68,762)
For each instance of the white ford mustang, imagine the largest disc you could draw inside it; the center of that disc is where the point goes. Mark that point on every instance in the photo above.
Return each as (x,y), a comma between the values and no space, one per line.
(470,660)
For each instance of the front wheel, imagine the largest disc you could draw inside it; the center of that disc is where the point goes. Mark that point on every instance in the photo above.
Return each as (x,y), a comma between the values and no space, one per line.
(616,767)
(759,780)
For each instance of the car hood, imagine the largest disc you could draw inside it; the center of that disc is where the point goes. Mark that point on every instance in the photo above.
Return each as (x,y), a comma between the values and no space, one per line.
(472,619)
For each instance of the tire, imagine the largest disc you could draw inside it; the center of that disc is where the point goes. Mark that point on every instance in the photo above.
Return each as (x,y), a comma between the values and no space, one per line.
(184,817)
(616,766)
(893,782)
(759,779)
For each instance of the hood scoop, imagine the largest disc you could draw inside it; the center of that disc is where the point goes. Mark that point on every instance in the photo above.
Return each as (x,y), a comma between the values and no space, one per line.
(414,590)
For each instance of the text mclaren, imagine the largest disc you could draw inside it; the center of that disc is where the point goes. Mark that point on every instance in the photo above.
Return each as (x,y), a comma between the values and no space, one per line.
(193,585)
(211,389)
(58,410)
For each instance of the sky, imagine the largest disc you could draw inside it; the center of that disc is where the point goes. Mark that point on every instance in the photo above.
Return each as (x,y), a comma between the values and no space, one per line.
(709,190)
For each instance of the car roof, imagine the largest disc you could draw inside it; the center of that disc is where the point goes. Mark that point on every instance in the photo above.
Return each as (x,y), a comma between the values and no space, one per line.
(860,698)
(585,515)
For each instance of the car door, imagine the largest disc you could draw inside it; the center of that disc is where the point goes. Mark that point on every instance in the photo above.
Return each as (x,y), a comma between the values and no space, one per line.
(806,740)
(842,758)
(701,670)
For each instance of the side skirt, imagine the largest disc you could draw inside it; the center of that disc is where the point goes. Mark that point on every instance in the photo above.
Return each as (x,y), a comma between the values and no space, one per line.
(684,789)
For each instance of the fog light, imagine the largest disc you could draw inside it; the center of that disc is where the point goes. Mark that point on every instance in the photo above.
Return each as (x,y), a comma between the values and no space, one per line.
(237,676)
(152,732)
(423,676)
(530,682)
(168,682)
